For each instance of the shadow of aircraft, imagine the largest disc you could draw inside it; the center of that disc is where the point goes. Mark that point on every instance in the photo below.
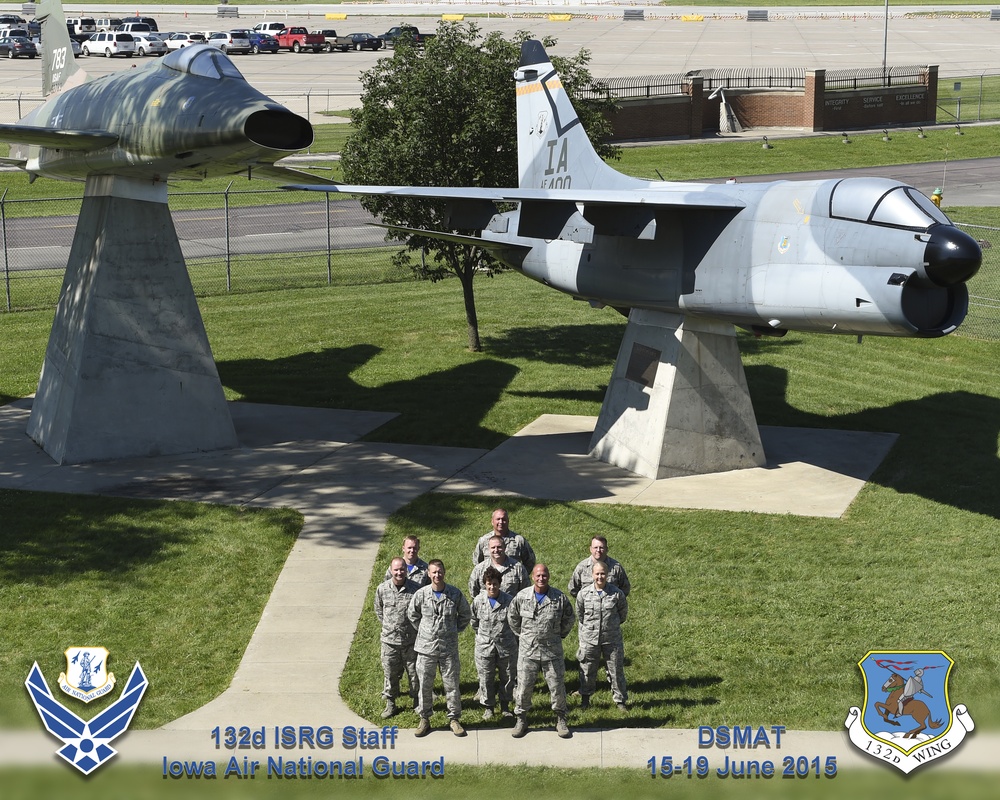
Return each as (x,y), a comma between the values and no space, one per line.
(441,408)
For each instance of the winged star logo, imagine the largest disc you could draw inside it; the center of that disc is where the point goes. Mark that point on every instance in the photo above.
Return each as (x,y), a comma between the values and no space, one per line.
(908,719)
(86,744)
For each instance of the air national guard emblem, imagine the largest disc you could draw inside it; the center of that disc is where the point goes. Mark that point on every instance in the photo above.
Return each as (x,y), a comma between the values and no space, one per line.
(86,677)
(907,719)
(86,744)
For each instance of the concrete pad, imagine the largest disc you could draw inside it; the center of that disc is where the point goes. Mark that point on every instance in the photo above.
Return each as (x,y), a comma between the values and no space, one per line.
(809,472)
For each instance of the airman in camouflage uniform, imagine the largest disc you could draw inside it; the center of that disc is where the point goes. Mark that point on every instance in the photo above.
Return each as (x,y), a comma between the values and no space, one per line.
(496,644)
(416,568)
(439,612)
(392,601)
(601,608)
(542,617)
(513,575)
(515,545)
(583,575)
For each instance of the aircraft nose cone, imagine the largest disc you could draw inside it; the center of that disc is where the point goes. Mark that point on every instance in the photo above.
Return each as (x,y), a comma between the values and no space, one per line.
(951,256)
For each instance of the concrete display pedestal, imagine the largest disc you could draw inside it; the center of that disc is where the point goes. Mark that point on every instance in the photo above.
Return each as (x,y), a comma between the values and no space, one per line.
(678,402)
(128,369)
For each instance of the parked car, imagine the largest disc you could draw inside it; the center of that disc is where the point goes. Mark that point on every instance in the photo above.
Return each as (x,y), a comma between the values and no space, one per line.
(405,32)
(229,42)
(270,28)
(107,23)
(11,20)
(298,38)
(259,42)
(111,43)
(334,41)
(147,20)
(179,40)
(17,47)
(81,25)
(134,27)
(364,41)
(146,44)
(74,44)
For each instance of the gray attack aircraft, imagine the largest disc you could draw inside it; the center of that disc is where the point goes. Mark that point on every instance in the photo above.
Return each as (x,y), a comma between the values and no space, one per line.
(851,255)
(188,115)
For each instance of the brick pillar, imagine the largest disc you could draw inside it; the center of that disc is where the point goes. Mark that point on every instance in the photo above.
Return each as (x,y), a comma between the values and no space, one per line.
(931,81)
(814,102)
(694,87)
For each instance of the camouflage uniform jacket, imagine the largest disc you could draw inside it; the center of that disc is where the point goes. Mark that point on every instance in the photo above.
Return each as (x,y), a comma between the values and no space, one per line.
(418,574)
(600,615)
(513,576)
(583,575)
(514,545)
(541,627)
(438,620)
(492,627)
(391,604)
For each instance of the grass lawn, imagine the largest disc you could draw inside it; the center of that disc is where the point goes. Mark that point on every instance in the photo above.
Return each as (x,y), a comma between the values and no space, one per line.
(735,616)
(177,586)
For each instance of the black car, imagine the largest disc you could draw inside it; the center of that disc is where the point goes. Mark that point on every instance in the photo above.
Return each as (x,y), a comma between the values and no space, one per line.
(17,46)
(364,41)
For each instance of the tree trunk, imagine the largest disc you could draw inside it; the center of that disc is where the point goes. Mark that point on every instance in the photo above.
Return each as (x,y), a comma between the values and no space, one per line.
(465,276)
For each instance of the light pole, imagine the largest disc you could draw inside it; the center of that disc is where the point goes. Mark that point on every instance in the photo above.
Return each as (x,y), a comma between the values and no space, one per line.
(885,46)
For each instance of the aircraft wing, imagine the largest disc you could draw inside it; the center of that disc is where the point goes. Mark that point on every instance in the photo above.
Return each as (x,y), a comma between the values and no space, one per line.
(498,247)
(688,196)
(56,137)
(273,172)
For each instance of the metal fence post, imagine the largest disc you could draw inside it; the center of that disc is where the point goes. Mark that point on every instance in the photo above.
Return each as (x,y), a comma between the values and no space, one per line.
(329,243)
(229,270)
(6,255)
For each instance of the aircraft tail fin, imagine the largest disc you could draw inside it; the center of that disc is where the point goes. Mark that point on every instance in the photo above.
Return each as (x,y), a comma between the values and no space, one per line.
(58,63)
(553,149)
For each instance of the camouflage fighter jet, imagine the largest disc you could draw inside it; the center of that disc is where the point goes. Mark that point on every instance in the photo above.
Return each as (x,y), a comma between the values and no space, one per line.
(189,115)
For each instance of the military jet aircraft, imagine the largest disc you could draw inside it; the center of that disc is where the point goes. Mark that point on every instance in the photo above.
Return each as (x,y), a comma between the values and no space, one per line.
(850,255)
(188,115)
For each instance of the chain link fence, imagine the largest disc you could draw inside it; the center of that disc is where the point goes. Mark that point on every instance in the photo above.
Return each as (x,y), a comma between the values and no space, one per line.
(234,241)
(983,321)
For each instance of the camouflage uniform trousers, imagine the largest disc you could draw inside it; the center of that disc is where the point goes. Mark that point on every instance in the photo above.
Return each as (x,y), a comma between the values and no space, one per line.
(489,665)
(427,665)
(613,656)
(554,672)
(397,659)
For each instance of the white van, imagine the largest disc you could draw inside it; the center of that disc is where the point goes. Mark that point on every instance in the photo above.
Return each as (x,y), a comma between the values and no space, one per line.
(110,43)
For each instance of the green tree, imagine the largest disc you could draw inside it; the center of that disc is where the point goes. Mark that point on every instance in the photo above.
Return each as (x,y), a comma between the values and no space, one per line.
(445,115)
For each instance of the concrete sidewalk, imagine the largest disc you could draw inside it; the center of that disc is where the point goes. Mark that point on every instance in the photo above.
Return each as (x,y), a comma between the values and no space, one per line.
(311,460)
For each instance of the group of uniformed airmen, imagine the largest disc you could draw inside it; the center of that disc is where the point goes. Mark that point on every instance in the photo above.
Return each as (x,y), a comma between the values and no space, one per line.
(520,623)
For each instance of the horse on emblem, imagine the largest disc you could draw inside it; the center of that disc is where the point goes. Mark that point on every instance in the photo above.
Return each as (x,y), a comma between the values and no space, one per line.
(911,706)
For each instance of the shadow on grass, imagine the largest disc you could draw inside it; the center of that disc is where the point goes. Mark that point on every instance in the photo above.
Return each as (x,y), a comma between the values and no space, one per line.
(440,408)
(577,345)
(946,451)
(48,538)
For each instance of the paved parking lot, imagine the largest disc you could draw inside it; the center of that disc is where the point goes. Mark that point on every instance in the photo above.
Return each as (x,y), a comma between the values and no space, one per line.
(959,46)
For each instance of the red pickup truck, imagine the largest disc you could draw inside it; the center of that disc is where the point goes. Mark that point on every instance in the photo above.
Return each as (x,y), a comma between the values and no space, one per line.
(298,39)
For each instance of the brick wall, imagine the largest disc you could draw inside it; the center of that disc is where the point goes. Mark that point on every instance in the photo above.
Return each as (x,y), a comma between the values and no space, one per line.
(811,109)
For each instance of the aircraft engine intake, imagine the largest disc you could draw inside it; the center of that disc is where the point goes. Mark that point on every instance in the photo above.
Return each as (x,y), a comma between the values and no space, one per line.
(278,130)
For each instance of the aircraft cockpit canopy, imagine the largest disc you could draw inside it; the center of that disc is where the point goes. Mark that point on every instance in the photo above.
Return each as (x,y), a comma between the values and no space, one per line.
(881,201)
(203,60)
